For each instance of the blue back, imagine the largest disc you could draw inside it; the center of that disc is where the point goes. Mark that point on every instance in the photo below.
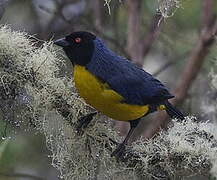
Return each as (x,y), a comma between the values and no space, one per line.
(134,84)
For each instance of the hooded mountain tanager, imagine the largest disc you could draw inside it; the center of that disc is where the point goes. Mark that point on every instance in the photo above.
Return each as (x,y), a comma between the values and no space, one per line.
(112,84)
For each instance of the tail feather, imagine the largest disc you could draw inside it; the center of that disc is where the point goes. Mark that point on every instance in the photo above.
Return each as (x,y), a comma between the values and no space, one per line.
(173,112)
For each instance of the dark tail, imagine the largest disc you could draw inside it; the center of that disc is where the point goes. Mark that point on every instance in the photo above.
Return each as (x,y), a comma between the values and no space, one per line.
(173,112)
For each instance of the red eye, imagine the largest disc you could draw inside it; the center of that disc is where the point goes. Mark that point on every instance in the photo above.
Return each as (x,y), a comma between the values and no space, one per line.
(78,40)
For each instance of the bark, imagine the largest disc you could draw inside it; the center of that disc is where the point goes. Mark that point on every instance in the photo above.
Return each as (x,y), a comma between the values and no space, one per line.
(152,34)
(134,43)
(137,46)
(207,14)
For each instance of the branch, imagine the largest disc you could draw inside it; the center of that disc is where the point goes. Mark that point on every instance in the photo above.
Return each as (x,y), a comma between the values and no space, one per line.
(157,153)
(169,64)
(134,44)
(153,33)
(136,47)
(207,14)
(163,68)
(195,62)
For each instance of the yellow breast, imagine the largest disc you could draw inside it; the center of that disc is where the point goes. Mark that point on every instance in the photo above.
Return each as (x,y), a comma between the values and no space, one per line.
(104,99)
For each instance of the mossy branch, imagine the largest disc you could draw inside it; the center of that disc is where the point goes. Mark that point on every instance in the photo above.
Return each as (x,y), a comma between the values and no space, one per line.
(31,80)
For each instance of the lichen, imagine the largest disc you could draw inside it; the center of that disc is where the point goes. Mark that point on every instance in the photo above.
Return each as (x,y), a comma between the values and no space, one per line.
(168,7)
(33,83)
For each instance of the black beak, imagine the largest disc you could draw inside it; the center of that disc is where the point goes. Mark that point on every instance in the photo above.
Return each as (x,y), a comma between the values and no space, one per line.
(61,42)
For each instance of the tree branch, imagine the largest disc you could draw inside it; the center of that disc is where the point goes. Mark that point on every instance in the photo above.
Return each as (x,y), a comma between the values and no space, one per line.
(137,47)
(207,14)
(153,32)
(134,43)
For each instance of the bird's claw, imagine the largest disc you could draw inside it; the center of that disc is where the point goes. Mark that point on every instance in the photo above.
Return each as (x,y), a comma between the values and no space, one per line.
(83,123)
(79,131)
(119,152)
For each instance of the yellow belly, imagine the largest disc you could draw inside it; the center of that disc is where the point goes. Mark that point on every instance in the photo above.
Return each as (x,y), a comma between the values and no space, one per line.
(102,98)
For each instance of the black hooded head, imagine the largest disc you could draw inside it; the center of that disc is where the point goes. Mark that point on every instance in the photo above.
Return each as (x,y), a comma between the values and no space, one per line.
(78,46)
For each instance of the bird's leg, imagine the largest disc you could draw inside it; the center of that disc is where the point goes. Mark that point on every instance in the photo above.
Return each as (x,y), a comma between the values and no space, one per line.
(118,152)
(84,121)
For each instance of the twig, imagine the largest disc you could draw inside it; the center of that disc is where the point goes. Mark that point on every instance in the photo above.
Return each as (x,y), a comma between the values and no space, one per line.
(207,14)
(169,64)
(153,33)
(140,48)
(163,68)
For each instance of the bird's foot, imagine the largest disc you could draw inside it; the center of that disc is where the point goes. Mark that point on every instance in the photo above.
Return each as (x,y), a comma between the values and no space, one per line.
(83,122)
(119,152)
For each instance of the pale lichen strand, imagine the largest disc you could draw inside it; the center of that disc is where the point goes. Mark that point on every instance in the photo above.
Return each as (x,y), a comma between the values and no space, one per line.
(167,8)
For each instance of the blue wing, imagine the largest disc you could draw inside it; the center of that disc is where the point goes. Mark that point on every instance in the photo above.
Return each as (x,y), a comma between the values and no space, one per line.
(138,86)
(134,84)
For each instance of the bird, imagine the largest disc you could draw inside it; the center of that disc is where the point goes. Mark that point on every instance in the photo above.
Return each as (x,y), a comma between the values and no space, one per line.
(113,85)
